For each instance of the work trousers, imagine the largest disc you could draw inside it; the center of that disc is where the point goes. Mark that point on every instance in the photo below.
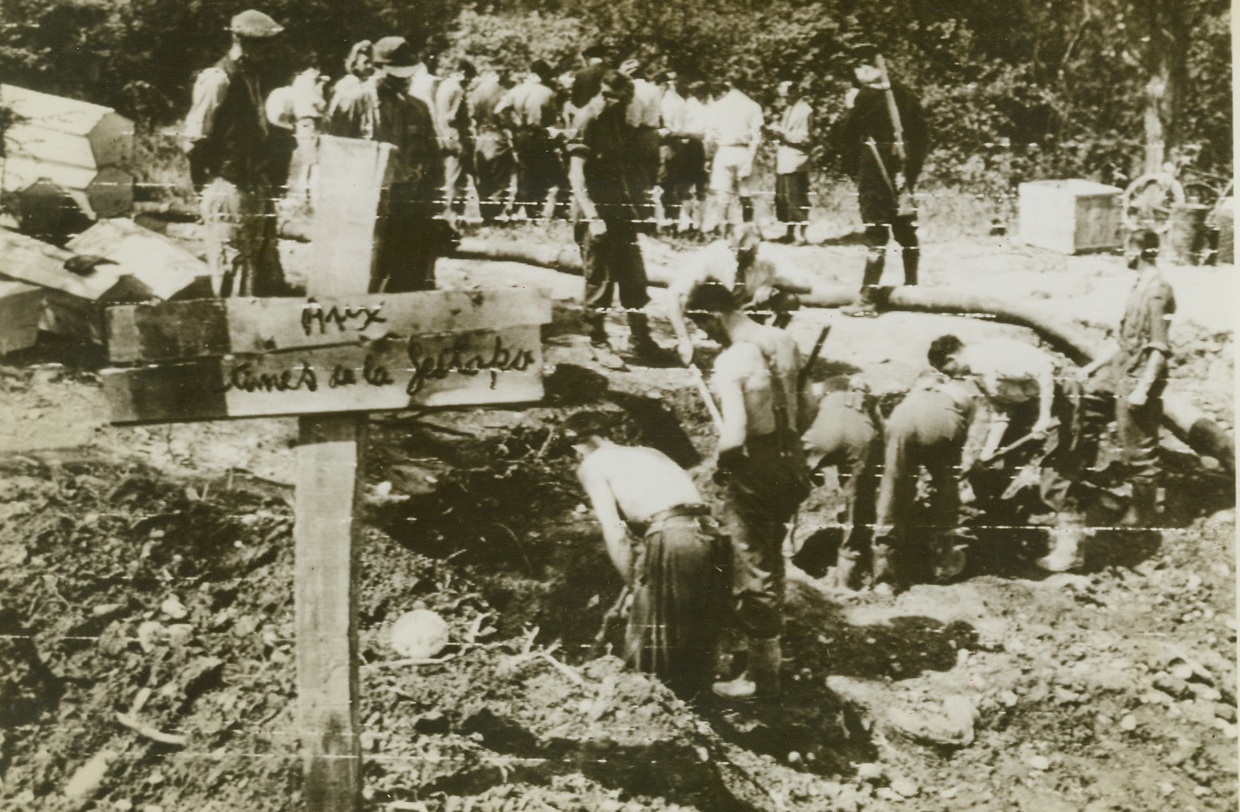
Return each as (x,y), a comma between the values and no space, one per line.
(1137,426)
(539,170)
(845,437)
(756,514)
(612,263)
(792,197)
(924,431)
(407,250)
(680,596)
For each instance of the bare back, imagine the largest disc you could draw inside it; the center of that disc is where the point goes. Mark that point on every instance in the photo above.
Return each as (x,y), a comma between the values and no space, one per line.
(642,480)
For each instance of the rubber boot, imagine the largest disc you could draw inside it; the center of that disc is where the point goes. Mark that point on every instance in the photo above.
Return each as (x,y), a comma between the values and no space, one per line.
(760,679)
(640,342)
(866,300)
(912,258)
(1065,552)
(598,330)
(1143,509)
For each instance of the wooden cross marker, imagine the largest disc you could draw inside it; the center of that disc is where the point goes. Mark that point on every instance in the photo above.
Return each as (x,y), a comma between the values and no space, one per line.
(330,358)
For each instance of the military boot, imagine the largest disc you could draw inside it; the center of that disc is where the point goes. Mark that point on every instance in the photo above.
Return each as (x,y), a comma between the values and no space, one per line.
(867,304)
(760,679)
(642,345)
(911,258)
(596,319)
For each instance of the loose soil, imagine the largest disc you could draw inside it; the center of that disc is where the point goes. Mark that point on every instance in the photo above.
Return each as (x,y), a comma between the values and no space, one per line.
(148,573)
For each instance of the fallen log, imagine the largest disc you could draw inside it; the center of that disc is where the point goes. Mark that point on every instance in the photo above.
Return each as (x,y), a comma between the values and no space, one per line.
(1185,421)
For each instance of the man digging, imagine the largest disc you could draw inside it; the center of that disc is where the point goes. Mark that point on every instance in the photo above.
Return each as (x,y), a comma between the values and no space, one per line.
(676,561)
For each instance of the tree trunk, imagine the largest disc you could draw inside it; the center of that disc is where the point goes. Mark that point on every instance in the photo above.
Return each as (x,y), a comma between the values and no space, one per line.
(1166,76)
(1184,420)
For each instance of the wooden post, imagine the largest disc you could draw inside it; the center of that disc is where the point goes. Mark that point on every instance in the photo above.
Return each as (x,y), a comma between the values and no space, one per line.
(330,457)
(327,511)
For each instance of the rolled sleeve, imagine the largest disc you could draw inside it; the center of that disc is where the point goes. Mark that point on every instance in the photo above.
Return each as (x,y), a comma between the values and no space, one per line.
(209,90)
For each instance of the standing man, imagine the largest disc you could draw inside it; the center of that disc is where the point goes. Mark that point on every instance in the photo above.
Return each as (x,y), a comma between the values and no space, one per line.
(792,164)
(457,137)
(608,205)
(735,129)
(847,434)
(1131,380)
(882,142)
(531,110)
(677,566)
(383,110)
(761,463)
(930,428)
(493,162)
(232,162)
(1025,399)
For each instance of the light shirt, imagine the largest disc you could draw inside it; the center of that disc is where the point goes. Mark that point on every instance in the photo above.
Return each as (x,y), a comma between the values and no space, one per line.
(422,85)
(735,120)
(674,110)
(644,108)
(1007,371)
(791,156)
(532,104)
(697,118)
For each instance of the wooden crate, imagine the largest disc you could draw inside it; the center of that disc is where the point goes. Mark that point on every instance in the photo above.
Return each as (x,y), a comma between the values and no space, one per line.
(1070,216)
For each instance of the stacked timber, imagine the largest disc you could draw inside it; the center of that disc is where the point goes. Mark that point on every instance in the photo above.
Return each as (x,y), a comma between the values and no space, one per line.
(64,156)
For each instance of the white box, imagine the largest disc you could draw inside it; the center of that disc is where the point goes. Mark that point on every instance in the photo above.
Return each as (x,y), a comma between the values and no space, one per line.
(1070,216)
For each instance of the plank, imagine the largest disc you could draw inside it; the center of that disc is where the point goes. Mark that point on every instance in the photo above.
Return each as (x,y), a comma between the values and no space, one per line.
(479,367)
(174,330)
(351,174)
(326,537)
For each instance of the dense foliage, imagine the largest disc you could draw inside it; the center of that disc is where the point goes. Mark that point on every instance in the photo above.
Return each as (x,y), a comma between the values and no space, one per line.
(1016,89)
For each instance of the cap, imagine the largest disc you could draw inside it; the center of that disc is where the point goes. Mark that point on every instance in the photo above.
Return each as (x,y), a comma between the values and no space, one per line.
(594,51)
(395,55)
(863,51)
(254,24)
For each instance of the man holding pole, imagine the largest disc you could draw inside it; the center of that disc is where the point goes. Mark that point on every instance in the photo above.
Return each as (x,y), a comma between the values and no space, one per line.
(882,142)
(764,405)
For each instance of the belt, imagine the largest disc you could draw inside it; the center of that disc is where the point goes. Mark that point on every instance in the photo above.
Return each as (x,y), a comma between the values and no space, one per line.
(691,509)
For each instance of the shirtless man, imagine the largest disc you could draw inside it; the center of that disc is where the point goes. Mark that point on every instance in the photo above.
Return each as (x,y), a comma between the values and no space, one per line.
(678,570)
(761,463)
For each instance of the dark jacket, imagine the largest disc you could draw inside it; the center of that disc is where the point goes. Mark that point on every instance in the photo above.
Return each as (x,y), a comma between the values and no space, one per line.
(869,118)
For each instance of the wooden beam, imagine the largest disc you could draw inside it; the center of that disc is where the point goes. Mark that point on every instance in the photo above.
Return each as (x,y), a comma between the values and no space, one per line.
(176,330)
(456,369)
(326,533)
